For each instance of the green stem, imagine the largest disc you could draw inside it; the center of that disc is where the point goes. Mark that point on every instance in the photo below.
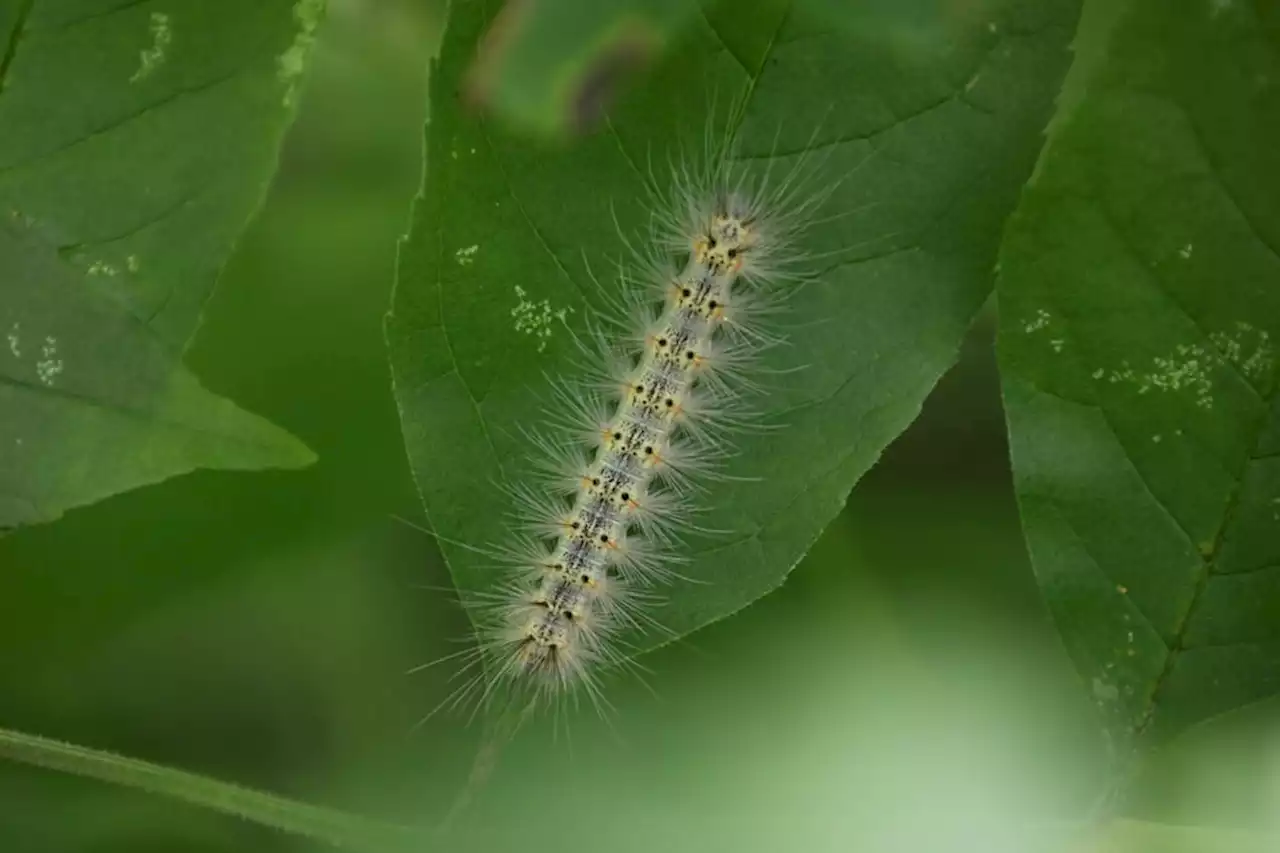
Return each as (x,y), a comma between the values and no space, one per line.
(352,831)
(333,827)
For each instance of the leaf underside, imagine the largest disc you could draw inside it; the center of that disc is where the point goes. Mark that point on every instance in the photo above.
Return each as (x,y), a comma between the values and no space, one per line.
(137,140)
(932,149)
(1140,317)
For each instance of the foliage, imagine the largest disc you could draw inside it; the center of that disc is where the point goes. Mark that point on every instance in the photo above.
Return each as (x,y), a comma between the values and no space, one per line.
(137,142)
(1138,323)
(1108,174)
(928,186)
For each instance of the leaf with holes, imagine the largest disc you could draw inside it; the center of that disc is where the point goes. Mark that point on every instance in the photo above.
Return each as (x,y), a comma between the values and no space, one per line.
(934,149)
(1140,300)
(138,139)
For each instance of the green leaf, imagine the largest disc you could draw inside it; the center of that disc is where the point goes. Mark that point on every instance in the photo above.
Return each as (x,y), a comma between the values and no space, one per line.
(94,403)
(1140,302)
(907,24)
(144,137)
(908,240)
(137,138)
(551,68)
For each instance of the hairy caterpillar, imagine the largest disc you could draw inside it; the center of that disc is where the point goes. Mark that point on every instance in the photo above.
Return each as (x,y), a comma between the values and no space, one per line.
(637,430)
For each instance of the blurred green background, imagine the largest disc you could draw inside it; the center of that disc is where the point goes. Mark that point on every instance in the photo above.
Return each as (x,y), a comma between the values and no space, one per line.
(904,691)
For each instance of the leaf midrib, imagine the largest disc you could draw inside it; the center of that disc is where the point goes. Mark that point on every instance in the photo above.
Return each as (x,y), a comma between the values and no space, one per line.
(1207,571)
(1232,505)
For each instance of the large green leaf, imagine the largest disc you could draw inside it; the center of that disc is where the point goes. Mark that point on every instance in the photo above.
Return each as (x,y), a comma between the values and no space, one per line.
(552,68)
(93,402)
(504,229)
(138,138)
(1140,303)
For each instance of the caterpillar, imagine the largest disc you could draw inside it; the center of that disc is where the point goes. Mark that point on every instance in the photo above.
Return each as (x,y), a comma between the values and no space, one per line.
(642,423)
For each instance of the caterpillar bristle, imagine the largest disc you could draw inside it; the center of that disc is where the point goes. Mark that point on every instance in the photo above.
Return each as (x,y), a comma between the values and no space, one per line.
(678,337)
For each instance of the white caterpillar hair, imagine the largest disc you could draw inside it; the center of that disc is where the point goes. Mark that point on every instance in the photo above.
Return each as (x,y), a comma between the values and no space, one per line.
(633,435)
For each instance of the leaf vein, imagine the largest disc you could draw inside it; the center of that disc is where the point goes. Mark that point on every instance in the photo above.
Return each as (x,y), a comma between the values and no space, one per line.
(149,418)
(126,119)
(1102,571)
(1229,511)
(453,359)
(1189,540)
(1158,285)
(1216,174)
(742,63)
(524,213)
(15,36)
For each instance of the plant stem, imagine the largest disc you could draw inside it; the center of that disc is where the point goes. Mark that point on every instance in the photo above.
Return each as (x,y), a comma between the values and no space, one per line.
(330,826)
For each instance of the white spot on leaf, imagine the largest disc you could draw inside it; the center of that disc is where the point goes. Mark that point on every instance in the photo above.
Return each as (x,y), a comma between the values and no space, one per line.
(49,365)
(154,56)
(291,63)
(535,318)
(1188,369)
(1248,349)
(1191,366)
(1036,323)
(466,257)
